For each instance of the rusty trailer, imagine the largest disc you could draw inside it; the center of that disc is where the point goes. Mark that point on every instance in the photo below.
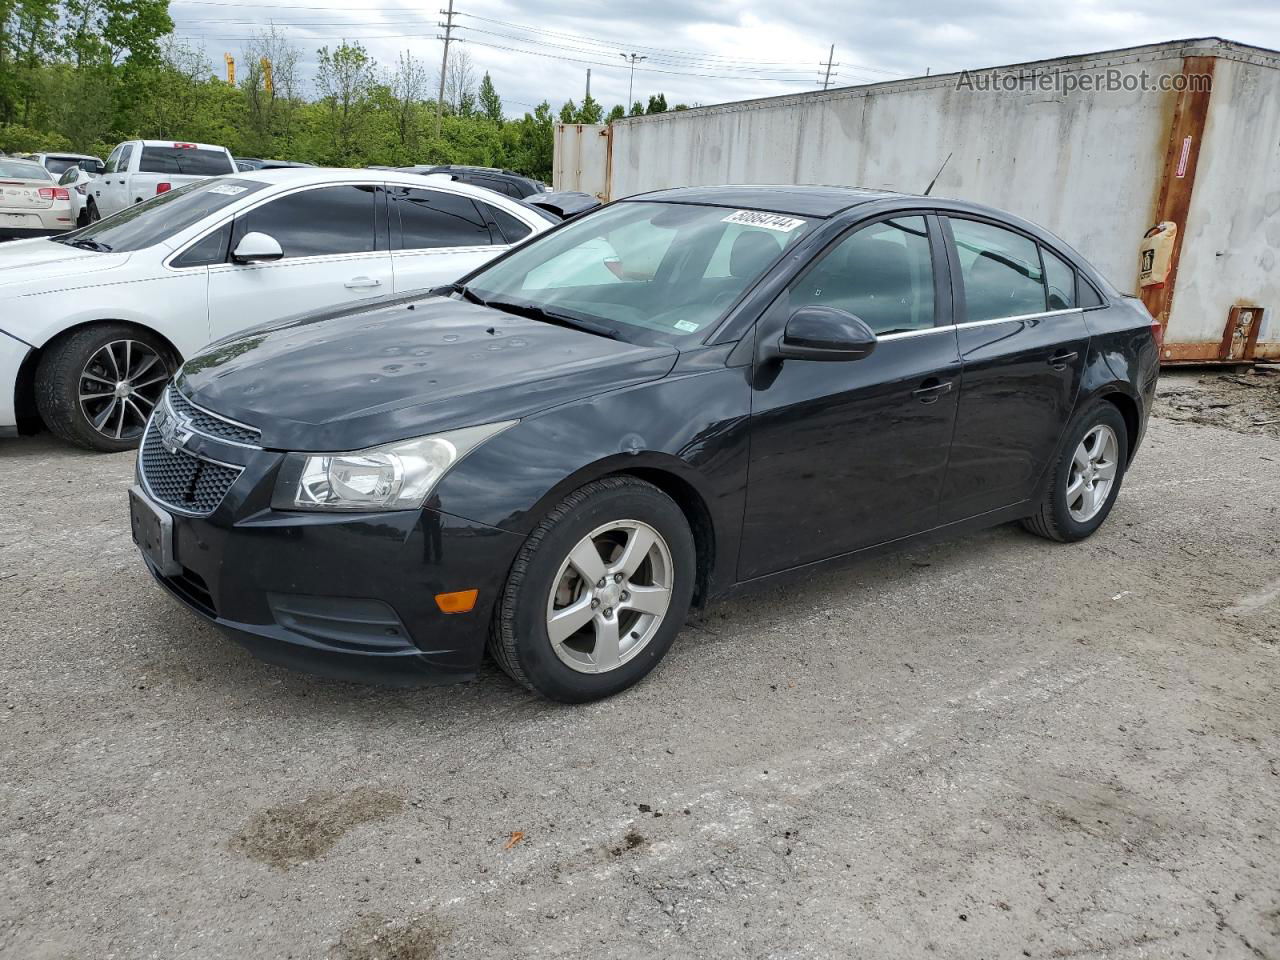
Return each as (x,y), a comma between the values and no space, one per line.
(1103,149)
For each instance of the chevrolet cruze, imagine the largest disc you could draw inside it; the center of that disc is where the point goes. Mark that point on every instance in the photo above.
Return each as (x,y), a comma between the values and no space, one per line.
(668,399)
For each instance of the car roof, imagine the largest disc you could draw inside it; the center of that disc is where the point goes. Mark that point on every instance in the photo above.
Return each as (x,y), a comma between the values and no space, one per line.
(799,200)
(285,176)
(173,143)
(59,155)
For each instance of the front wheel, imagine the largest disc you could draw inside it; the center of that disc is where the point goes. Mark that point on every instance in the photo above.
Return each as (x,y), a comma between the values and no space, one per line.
(97,387)
(1083,484)
(598,592)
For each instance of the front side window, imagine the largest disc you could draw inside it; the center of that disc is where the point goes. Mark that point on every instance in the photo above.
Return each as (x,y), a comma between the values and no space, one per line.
(651,272)
(208,250)
(159,218)
(126,156)
(114,160)
(1000,269)
(185,161)
(433,218)
(882,273)
(313,223)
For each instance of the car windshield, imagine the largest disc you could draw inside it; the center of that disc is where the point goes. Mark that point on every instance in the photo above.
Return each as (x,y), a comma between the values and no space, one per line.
(60,165)
(644,271)
(148,223)
(22,170)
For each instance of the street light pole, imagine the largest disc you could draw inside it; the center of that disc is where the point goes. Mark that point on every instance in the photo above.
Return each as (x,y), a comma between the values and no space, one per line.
(633,59)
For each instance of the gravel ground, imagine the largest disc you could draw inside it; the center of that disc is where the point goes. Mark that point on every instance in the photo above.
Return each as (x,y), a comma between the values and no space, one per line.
(995,747)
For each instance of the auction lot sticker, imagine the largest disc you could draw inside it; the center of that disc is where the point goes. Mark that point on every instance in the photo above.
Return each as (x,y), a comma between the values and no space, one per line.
(770,221)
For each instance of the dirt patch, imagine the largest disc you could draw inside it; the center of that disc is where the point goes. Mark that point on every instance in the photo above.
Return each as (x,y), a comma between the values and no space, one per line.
(1245,402)
(374,937)
(294,833)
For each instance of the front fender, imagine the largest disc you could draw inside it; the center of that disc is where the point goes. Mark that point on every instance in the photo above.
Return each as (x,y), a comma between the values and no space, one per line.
(690,427)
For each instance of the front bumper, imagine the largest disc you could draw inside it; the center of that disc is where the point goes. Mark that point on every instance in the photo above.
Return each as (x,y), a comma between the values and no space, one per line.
(12,352)
(348,596)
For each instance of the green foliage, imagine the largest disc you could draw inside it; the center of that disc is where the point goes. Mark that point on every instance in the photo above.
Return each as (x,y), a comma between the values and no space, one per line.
(83,75)
(657,104)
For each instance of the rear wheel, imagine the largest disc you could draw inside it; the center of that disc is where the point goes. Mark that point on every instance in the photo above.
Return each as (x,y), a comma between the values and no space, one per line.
(97,387)
(598,593)
(1084,482)
(91,211)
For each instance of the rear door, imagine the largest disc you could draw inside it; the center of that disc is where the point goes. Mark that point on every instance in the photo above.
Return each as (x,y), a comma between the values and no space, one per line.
(335,252)
(437,236)
(1023,343)
(846,455)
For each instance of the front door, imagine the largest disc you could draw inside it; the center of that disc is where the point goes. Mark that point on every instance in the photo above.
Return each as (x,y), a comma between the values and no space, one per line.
(1023,344)
(335,253)
(846,455)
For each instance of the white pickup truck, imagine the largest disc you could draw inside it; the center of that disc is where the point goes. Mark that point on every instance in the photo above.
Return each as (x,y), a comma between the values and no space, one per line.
(140,169)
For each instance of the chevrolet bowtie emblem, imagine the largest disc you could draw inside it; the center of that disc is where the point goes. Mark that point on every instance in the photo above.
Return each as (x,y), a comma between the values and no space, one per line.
(174,431)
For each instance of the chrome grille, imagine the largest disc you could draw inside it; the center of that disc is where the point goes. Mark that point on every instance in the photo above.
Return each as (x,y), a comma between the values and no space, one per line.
(181,481)
(210,424)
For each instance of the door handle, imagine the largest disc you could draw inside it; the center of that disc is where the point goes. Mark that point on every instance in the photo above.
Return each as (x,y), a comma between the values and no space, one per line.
(931,390)
(356,283)
(1059,361)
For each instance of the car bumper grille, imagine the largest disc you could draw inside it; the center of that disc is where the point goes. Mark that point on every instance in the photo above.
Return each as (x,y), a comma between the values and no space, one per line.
(210,424)
(181,481)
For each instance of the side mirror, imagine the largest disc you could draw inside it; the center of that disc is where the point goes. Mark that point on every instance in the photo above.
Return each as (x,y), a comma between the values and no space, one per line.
(825,333)
(256,248)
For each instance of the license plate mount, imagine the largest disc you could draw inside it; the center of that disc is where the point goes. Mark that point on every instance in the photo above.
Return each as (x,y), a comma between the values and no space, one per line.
(152,532)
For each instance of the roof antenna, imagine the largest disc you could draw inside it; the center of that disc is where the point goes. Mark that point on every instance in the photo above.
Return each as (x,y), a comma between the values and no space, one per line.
(938,174)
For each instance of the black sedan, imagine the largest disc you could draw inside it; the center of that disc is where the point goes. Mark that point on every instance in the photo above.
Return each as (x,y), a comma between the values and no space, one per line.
(673,397)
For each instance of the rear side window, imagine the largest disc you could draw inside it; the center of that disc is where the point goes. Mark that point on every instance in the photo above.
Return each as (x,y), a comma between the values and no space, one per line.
(511,228)
(1088,295)
(314,223)
(185,161)
(433,218)
(1060,278)
(882,273)
(1001,271)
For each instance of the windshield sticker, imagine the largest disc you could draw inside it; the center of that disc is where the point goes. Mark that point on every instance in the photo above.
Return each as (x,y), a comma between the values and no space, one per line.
(769,221)
(684,326)
(228,189)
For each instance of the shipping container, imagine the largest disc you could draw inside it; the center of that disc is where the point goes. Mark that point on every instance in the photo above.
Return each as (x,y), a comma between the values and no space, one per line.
(1099,148)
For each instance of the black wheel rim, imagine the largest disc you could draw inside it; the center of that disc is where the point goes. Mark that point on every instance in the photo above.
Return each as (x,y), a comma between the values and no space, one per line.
(120,386)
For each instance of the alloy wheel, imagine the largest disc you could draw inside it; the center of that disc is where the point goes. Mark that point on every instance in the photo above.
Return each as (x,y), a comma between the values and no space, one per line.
(610,596)
(1093,473)
(120,386)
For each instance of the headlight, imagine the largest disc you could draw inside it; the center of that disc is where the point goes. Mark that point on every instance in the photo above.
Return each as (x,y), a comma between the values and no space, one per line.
(396,476)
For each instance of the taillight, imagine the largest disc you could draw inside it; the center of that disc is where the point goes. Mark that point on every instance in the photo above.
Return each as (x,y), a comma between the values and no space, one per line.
(54,193)
(163,187)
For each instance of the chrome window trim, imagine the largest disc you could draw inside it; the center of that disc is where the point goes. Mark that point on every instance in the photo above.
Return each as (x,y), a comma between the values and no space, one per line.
(209,436)
(902,335)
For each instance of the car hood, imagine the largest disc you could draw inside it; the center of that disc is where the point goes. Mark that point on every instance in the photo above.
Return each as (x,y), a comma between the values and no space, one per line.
(356,378)
(38,261)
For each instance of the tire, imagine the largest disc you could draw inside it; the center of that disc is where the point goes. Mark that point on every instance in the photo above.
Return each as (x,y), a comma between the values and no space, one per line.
(76,381)
(580,667)
(92,208)
(1068,512)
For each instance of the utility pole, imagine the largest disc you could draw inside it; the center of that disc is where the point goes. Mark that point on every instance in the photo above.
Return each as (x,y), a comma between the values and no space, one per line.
(444,64)
(588,96)
(633,58)
(826,80)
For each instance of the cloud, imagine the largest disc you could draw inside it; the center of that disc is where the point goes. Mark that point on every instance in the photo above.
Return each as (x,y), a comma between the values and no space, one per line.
(701,51)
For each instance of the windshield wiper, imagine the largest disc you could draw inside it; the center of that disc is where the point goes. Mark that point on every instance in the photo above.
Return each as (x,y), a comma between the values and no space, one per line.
(535,312)
(468,294)
(84,243)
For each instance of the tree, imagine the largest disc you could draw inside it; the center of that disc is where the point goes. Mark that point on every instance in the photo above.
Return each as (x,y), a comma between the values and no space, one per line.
(590,111)
(345,80)
(657,104)
(408,89)
(490,102)
(270,112)
(637,109)
(569,112)
(460,83)
(617,113)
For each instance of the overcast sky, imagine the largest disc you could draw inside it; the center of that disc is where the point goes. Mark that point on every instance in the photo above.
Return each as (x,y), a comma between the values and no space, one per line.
(703,51)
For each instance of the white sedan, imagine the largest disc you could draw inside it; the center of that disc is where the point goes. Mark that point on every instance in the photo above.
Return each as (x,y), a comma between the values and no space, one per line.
(93,323)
